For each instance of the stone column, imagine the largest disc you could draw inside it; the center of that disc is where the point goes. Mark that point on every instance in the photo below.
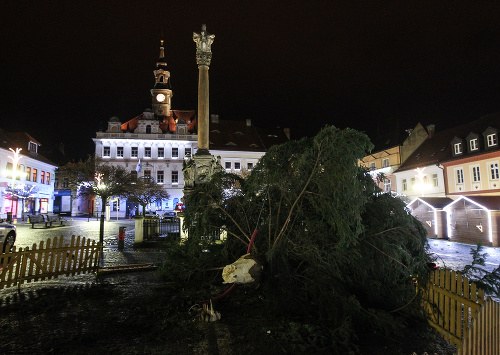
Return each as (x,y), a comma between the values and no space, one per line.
(203,42)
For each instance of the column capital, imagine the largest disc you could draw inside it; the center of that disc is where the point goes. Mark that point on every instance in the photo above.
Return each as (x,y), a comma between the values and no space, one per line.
(203,42)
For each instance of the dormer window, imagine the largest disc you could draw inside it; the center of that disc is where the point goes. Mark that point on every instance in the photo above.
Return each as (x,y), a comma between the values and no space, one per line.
(32,147)
(491,140)
(473,144)
(148,129)
(490,135)
(457,145)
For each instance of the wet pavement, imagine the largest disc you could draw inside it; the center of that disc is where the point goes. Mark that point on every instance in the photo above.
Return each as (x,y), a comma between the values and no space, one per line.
(456,256)
(449,254)
(89,228)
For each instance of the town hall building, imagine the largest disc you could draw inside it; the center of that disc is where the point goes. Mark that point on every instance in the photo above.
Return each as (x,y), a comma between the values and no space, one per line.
(156,143)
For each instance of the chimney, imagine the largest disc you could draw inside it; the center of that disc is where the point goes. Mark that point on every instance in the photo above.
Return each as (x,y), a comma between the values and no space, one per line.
(431,129)
(249,122)
(214,118)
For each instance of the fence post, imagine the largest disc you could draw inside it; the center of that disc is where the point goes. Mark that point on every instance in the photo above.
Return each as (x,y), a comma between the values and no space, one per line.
(139,232)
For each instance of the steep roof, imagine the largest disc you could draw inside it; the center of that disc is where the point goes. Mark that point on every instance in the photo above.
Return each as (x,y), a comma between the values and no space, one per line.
(21,140)
(242,136)
(437,148)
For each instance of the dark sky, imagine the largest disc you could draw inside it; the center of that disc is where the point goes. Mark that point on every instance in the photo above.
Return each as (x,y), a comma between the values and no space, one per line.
(67,66)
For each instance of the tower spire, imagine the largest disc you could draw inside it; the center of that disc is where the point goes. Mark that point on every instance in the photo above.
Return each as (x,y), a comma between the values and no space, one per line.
(161,93)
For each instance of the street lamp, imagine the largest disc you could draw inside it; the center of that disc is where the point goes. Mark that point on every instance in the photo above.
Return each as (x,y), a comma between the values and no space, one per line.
(421,185)
(15,161)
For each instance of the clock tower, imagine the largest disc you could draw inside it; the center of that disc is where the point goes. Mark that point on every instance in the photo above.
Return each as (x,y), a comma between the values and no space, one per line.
(161,94)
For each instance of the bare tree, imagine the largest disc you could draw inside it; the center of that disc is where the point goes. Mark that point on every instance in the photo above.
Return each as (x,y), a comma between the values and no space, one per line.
(99,180)
(145,191)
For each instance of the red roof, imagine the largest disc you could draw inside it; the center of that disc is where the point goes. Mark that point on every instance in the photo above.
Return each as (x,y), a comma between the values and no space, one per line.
(168,124)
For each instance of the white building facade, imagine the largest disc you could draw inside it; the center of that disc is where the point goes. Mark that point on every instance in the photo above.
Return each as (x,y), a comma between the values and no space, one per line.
(156,143)
(32,181)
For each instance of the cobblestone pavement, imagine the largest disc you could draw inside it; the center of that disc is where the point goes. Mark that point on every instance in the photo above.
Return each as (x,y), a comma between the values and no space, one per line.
(27,236)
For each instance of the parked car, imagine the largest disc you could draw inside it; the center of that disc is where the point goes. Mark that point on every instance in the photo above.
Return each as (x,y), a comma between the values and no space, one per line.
(170,216)
(7,235)
(179,207)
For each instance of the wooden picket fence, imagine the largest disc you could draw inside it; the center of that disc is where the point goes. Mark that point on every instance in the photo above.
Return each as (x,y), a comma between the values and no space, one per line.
(462,315)
(49,260)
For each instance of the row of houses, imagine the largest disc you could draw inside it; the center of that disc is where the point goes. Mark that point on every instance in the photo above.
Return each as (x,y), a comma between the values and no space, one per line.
(449,178)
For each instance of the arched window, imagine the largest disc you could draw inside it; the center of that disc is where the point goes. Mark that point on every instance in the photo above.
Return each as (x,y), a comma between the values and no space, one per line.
(148,129)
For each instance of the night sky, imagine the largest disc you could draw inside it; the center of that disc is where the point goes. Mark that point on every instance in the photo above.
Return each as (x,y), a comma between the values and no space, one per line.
(66,67)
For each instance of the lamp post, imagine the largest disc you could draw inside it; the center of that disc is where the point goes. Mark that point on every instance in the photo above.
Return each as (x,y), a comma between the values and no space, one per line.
(422,185)
(15,161)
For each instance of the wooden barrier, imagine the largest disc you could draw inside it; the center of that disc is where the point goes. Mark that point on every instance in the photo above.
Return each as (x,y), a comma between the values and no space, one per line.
(49,260)
(461,314)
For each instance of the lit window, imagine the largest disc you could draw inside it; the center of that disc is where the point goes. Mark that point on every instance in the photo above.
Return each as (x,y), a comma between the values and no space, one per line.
(228,165)
(459,174)
(161,152)
(237,165)
(48,178)
(473,144)
(35,175)
(494,171)
(387,185)
(28,174)
(106,152)
(175,177)
(135,152)
(385,163)
(250,166)
(435,179)
(458,148)
(159,177)
(492,139)
(119,152)
(405,185)
(42,177)
(147,152)
(175,152)
(476,175)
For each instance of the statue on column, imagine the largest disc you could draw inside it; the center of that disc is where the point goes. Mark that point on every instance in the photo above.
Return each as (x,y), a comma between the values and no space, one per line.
(204,42)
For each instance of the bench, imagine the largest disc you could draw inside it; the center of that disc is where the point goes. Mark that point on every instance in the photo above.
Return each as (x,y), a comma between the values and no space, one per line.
(55,218)
(37,219)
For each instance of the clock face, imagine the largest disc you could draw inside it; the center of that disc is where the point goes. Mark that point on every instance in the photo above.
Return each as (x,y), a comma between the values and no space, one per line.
(160,97)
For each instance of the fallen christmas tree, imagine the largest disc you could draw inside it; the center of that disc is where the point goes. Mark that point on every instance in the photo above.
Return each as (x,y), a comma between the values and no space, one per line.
(334,250)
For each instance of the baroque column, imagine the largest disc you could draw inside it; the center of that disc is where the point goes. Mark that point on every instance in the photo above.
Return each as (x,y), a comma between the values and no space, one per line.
(204,42)
(202,165)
